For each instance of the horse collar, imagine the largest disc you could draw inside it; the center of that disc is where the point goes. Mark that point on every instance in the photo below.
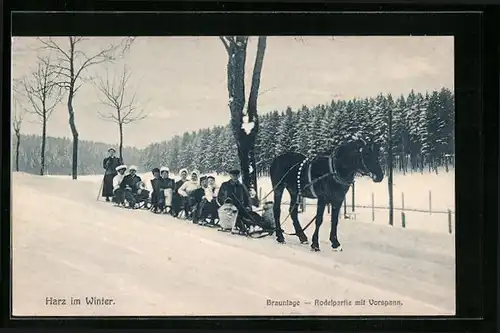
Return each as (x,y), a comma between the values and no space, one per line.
(333,170)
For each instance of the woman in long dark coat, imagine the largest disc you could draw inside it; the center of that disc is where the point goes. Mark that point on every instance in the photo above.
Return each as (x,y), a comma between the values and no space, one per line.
(109,164)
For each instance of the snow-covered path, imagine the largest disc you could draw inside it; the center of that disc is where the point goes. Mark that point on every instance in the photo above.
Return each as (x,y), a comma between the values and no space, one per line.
(66,244)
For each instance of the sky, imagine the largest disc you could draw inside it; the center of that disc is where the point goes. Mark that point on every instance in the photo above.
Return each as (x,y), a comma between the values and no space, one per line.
(180,82)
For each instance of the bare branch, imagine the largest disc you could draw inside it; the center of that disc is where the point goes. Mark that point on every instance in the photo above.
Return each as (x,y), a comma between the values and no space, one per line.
(18,116)
(72,61)
(113,93)
(40,89)
(51,45)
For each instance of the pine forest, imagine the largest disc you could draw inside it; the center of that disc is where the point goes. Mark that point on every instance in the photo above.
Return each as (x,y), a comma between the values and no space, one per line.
(422,140)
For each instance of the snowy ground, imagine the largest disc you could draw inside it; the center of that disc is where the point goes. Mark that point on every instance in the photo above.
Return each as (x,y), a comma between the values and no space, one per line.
(66,244)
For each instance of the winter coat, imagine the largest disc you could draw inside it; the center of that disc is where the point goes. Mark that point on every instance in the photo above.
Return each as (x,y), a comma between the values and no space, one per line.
(156,184)
(237,192)
(167,183)
(117,180)
(178,185)
(131,181)
(188,187)
(110,163)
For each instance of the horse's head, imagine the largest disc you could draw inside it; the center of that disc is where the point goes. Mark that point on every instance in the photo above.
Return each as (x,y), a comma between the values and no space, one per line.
(363,156)
(369,160)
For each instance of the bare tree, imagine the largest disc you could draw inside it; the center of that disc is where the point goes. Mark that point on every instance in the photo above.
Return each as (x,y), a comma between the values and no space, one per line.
(72,62)
(113,93)
(17,120)
(43,94)
(244,123)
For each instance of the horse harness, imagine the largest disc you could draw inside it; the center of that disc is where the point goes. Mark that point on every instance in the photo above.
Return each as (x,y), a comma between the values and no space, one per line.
(306,166)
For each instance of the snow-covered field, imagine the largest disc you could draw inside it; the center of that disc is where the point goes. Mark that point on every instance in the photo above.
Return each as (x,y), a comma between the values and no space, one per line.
(68,245)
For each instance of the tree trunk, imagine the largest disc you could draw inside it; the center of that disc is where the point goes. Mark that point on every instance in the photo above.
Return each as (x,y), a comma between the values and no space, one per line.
(75,135)
(389,166)
(18,143)
(121,142)
(253,117)
(44,138)
(241,121)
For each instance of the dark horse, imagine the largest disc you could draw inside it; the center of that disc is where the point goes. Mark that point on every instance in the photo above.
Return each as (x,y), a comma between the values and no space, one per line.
(325,177)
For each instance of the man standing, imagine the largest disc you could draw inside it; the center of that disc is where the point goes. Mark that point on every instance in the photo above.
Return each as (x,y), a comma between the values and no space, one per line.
(109,164)
(233,189)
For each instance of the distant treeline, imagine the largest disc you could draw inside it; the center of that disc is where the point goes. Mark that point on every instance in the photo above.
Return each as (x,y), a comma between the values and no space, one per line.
(58,155)
(423,137)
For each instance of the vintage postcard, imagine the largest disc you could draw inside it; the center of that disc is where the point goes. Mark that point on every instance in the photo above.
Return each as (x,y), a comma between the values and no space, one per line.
(233,175)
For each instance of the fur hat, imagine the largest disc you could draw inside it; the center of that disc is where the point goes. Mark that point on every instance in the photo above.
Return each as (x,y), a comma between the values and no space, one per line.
(202,178)
(210,177)
(132,167)
(183,170)
(120,167)
(195,172)
(164,168)
(111,149)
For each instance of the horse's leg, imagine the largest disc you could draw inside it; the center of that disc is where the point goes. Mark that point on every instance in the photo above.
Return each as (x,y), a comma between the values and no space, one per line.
(319,219)
(294,208)
(278,193)
(336,246)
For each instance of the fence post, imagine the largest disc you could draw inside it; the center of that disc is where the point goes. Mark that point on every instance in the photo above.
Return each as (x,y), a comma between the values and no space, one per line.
(353,206)
(430,202)
(449,221)
(403,219)
(373,207)
(260,193)
(402,201)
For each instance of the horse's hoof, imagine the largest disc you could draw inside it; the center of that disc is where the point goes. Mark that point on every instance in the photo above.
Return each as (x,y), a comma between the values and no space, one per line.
(315,248)
(337,248)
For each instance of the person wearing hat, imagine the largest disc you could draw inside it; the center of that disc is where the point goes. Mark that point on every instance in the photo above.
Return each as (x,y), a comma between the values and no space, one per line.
(109,164)
(167,186)
(132,183)
(157,195)
(118,190)
(186,189)
(209,206)
(177,200)
(238,193)
(196,200)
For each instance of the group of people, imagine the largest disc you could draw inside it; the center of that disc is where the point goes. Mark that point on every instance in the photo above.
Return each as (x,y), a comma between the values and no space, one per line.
(197,198)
